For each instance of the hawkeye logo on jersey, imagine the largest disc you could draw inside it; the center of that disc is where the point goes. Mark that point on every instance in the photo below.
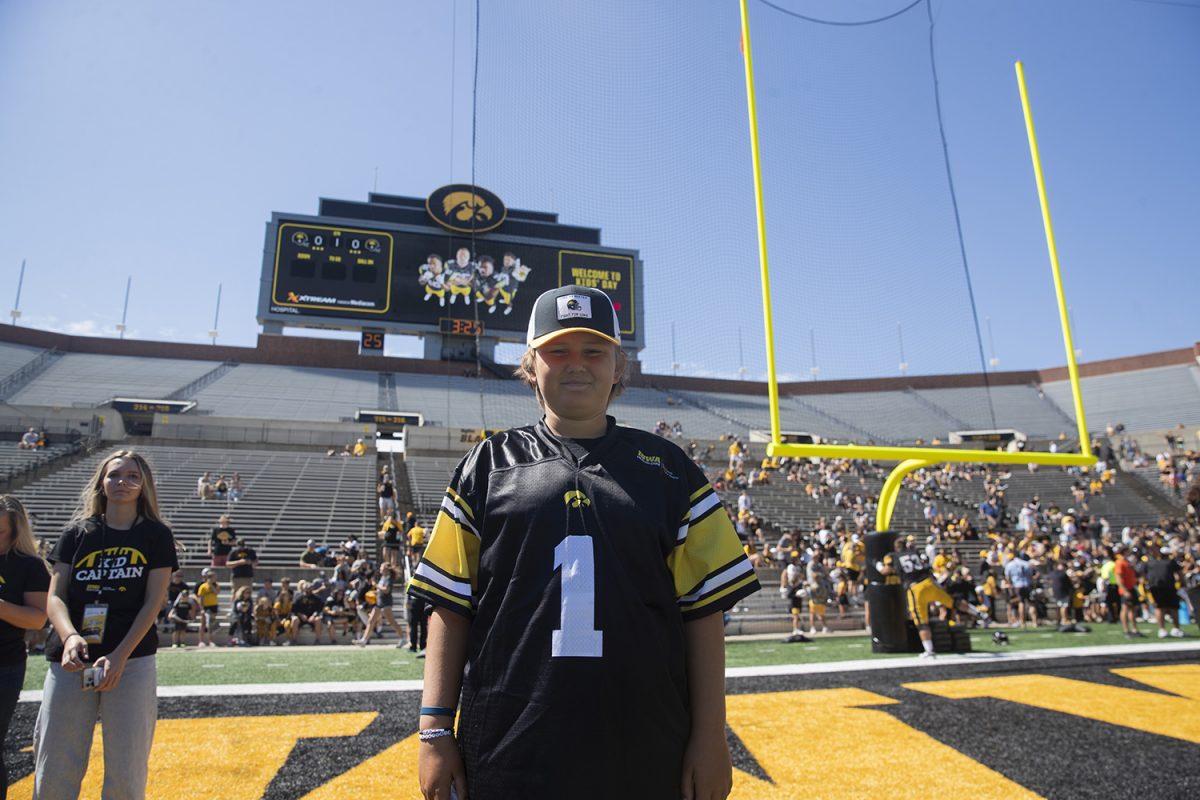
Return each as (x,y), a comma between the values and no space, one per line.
(656,461)
(576,498)
(113,563)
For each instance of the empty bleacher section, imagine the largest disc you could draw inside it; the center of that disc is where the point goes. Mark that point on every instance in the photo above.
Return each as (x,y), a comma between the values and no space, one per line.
(289,497)
(15,462)
(15,356)
(87,379)
(295,393)
(1144,400)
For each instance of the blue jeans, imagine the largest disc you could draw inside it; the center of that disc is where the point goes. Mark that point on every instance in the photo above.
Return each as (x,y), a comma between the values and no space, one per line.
(62,736)
(11,678)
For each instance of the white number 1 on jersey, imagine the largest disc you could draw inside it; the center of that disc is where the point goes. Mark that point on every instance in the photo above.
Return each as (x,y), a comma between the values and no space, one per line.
(577,635)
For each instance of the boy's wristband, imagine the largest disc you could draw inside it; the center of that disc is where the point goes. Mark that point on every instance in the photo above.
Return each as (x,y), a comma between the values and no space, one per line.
(429,734)
(437,711)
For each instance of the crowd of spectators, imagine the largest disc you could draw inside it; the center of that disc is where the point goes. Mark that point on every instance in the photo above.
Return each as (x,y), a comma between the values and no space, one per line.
(219,487)
(1049,564)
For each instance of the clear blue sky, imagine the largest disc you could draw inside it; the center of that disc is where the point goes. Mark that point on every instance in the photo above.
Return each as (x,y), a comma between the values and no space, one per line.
(154,140)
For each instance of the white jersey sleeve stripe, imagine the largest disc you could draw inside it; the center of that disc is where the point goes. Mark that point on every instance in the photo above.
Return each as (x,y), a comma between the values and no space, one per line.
(438,578)
(704,505)
(731,573)
(456,513)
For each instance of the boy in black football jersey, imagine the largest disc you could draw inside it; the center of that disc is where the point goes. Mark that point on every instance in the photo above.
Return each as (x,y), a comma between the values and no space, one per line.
(579,569)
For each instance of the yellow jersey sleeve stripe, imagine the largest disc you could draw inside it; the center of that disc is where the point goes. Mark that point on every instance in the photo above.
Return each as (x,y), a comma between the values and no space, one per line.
(696,494)
(710,544)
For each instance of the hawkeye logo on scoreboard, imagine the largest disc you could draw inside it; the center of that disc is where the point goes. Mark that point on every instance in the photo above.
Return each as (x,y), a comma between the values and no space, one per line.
(464,208)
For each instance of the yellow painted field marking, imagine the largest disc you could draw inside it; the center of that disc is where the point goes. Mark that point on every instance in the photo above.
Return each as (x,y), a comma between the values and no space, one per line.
(230,757)
(1180,679)
(392,773)
(791,734)
(1177,717)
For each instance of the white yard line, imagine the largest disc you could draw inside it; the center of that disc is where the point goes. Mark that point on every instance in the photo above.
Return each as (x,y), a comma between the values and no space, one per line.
(863,665)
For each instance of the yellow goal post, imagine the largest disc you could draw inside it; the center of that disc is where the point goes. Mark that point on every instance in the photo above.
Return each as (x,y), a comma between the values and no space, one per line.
(909,458)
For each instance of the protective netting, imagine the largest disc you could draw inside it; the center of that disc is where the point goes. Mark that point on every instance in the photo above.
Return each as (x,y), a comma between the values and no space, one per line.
(631,118)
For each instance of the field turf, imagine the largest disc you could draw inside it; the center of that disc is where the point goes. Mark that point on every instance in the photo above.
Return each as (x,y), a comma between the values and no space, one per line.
(384,662)
(833,721)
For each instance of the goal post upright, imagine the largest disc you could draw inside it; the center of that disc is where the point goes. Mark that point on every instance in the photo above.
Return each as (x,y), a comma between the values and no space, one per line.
(910,458)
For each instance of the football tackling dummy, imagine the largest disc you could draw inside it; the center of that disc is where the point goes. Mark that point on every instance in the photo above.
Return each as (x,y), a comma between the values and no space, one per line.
(578,571)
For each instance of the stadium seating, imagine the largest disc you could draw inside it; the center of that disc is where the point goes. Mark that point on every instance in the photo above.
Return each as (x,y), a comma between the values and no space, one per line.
(289,497)
(90,380)
(1143,400)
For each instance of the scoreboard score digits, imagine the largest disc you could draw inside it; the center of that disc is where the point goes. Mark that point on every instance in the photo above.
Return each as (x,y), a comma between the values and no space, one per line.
(337,269)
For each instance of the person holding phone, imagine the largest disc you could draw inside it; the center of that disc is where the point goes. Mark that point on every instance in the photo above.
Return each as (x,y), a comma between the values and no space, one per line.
(110,570)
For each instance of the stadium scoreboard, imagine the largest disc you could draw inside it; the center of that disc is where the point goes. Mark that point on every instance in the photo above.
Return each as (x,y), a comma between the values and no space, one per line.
(396,271)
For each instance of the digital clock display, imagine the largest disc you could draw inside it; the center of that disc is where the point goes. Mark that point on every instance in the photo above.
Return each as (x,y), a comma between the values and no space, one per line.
(461,327)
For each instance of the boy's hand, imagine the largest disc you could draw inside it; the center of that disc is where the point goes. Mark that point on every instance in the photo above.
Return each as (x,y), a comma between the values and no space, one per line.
(439,766)
(707,768)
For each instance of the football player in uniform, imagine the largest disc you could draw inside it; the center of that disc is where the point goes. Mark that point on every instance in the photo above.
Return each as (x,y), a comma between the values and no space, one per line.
(432,279)
(512,274)
(460,275)
(578,570)
(922,589)
(487,287)
(792,588)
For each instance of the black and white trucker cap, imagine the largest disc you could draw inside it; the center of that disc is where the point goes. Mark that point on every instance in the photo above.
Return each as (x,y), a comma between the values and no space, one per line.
(568,309)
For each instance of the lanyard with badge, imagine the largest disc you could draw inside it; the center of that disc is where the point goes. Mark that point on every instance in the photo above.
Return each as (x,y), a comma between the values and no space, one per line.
(95,614)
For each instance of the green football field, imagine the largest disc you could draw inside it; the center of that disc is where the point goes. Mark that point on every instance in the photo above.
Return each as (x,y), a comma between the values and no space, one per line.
(381,662)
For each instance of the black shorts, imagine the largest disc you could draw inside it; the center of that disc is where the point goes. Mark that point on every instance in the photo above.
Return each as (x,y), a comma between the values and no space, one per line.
(383,600)
(1166,599)
(796,603)
(852,574)
(1023,593)
(1130,600)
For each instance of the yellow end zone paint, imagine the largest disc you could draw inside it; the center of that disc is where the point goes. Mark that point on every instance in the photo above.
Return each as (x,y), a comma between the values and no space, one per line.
(233,758)
(1177,717)
(791,735)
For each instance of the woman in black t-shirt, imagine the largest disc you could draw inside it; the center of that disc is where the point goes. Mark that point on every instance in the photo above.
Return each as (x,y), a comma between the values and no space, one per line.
(24,580)
(110,567)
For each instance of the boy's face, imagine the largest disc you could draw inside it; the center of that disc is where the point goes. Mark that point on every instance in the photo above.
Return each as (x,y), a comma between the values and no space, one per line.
(575,375)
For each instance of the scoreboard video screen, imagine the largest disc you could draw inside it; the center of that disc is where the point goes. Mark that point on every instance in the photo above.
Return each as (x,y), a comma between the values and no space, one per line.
(319,274)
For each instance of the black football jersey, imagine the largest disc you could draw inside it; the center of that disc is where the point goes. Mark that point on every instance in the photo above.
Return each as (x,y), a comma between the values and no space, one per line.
(914,566)
(578,576)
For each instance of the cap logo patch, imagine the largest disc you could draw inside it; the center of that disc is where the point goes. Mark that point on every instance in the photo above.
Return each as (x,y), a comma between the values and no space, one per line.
(574,305)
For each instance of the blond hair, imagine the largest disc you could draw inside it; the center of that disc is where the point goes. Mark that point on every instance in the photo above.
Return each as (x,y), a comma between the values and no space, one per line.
(18,522)
(93,503)
(525,371)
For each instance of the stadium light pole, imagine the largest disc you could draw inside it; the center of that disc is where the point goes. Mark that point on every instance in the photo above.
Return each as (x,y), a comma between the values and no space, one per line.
(125,310)
(216,317)
(993,362)
(900,338)
(16,309)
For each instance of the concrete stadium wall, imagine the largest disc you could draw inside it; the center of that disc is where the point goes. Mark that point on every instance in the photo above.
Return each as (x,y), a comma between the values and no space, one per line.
(57,422)
(230,430)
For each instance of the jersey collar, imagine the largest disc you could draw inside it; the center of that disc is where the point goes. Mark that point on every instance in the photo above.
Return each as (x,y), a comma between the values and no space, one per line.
(555,443)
